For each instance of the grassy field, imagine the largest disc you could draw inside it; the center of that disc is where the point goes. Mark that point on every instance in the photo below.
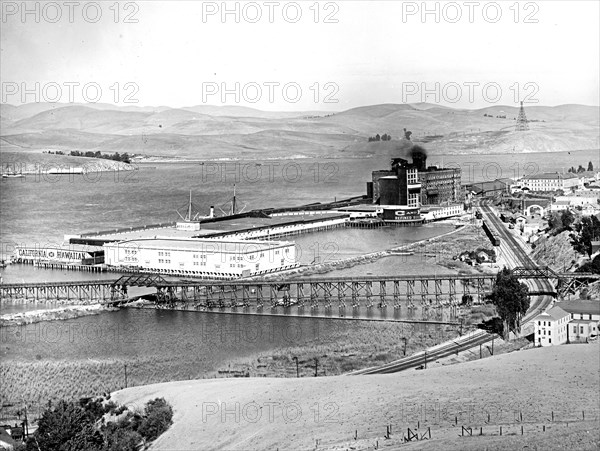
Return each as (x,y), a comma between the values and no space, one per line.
(369,343)
(553,393)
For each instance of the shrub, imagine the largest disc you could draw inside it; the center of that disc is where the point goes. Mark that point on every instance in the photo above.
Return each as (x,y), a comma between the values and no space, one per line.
(158,417)
(124,440)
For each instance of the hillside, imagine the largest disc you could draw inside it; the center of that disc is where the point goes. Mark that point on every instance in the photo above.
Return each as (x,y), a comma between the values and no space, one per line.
(204,131)
(325,413)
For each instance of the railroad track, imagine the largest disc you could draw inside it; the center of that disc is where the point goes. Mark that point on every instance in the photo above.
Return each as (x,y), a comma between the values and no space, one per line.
(539,302)
(478,337)
(446,349)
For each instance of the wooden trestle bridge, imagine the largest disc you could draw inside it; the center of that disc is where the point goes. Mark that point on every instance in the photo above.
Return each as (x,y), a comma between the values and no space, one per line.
(369,291)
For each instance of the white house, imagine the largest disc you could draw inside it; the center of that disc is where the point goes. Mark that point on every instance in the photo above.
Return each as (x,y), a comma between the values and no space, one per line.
(585,319)
(559,205)
(551,327)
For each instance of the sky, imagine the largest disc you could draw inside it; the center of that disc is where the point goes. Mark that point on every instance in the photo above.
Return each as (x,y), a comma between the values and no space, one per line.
(301,56)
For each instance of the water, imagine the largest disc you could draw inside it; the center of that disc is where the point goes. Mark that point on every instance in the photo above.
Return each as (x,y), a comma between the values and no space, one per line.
(180,344)
(40,210)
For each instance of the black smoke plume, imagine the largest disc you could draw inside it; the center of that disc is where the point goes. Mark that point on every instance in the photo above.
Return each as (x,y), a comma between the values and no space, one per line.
(419,157)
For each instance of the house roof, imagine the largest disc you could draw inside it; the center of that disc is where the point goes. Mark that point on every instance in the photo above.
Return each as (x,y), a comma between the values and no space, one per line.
(555,313)
(6,438)
(506,181)
(585,307)
(551,176)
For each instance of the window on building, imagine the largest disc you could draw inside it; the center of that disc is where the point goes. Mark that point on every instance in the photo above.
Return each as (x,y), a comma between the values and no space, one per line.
(549,340)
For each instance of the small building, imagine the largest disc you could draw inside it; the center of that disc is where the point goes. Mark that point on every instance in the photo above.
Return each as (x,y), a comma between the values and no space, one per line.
(551,327)
(589,310)
(70,254)
(491,188)
(431,213)
(7,442)
(559,205)
(581,330)
(401,215)
(362,211)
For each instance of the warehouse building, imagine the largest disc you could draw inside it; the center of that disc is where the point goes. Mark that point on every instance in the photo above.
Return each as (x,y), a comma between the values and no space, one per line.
(552,181)
(207,258)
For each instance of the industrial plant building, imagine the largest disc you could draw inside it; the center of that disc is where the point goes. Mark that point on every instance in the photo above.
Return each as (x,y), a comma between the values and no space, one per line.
(414,184)
(209,258)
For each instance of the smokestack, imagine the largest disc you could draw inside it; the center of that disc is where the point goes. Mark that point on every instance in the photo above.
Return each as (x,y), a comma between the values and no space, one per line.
(419,157)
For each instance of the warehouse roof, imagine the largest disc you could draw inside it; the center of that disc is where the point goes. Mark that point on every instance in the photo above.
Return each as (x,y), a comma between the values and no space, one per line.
(551,176)
(202,245)
(586,307)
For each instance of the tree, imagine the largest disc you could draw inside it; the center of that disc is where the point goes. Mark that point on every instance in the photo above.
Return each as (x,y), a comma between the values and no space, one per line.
(59,426)
(593,266)
(590,167)
(587,230)
(580,169)
(158,417)
(567,218)
(511,300)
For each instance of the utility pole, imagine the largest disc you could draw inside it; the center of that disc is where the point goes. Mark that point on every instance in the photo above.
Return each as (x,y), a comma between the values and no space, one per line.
(297,372)
(316,366)
(125,375)
(26,423)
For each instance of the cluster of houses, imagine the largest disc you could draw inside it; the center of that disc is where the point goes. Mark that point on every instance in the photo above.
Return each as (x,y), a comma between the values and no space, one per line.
(567,322)
(579,192)
(546,182)
(477,257)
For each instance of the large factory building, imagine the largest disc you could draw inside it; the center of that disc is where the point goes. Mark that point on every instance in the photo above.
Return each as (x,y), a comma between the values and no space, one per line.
(440,185)
(414,184)
(215,259)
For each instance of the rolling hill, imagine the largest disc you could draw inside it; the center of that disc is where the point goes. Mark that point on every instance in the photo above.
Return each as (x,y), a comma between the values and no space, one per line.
(203,131)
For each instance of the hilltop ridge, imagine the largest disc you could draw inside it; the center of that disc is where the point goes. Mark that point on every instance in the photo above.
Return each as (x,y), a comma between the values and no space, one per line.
(205,131)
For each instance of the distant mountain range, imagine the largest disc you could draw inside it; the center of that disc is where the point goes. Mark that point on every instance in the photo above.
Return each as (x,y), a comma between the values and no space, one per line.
(209,132)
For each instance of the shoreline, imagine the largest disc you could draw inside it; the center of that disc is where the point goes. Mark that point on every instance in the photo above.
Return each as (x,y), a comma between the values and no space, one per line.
(53,314)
